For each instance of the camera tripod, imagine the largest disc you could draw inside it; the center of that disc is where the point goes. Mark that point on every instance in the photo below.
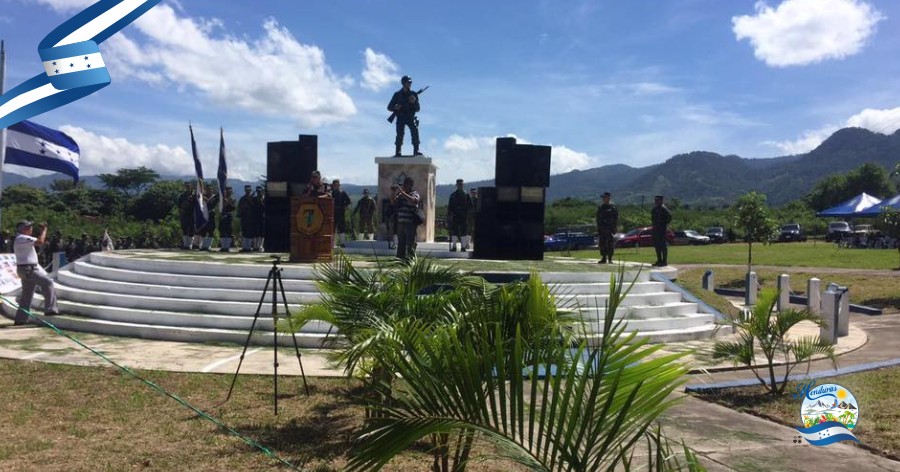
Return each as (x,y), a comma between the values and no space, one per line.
(274,278)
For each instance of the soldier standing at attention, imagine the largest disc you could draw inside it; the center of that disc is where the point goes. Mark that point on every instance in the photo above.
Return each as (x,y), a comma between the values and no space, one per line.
(405,104)
(341,203)
(259,212)
(607,221)
(186,215)
(458,216)
(366,209)
(660,217)
(248,222)
(473,194)
(225,221)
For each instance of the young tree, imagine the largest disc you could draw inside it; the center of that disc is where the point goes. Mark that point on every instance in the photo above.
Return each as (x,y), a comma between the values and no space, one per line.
(752,216)
(131,182)
(890,224)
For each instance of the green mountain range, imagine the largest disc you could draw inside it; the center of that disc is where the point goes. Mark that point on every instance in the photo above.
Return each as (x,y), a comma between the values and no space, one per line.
(712,179)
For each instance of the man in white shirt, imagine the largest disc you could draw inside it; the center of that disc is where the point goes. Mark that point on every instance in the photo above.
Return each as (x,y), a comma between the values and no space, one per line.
(31,272)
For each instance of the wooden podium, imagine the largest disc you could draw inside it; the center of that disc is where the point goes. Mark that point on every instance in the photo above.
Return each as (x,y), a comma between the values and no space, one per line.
(312,229)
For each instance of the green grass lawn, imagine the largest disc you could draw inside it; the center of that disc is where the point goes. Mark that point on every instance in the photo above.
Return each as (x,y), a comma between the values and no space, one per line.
(62,417)
(808,254)
(879,422)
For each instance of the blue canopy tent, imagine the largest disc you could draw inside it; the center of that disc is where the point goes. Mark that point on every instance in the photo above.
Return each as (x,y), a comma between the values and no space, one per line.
(875,210)
(851,207)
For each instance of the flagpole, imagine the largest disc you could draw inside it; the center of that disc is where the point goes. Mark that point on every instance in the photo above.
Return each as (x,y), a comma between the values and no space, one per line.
(2,131)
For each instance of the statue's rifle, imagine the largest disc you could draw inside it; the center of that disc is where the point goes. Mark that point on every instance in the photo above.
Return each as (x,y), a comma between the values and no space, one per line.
(394,114)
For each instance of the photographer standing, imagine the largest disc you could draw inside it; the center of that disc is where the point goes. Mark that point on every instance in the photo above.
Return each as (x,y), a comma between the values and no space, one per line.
(405,103)
(406,201)
(31,273)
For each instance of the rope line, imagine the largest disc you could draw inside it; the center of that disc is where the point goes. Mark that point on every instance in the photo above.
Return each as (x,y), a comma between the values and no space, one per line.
(156,387)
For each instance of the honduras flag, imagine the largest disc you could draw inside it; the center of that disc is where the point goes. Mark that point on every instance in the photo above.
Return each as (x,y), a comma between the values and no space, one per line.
(32,145)
(201,213)
(222,175)
(827,433)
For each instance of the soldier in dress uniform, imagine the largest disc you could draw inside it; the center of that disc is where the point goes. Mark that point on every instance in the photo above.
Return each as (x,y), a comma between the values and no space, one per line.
(226,221)
(366,208)
(660,217)
(341,203)
(458,216)
(248,219)
(607,221)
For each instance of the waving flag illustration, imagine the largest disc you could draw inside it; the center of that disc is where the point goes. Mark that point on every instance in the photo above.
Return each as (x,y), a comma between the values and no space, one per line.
(827,433)
(73,67)
(32,145)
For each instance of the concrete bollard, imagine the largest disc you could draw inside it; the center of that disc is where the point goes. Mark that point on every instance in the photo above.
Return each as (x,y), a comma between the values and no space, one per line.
(813,296)
(784,292)
(709,282)
(752,289)
(828,332)
(843,315)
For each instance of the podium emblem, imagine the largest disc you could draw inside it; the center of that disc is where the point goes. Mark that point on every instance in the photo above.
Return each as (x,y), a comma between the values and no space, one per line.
(309,219)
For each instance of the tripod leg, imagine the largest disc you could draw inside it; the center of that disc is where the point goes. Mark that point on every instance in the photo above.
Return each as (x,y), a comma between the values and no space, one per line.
(249,335)
(293,334)
(276,273)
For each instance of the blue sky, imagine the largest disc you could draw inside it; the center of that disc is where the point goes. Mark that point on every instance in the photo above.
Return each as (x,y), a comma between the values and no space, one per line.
(603,82)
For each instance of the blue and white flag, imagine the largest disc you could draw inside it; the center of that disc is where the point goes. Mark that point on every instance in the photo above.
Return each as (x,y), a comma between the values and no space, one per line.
(827,433)
(32,145)
(222,174)
(201,213)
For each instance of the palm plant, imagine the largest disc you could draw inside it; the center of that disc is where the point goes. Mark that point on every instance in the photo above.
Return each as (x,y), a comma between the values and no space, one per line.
(555,408)
(762,329)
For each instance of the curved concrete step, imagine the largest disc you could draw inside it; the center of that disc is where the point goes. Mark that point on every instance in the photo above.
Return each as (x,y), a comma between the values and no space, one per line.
(704,331)
(670,310)
(185,320)
(71,280)
(88,269)
(599,301)
(657,324)
(204,268)
(186,334)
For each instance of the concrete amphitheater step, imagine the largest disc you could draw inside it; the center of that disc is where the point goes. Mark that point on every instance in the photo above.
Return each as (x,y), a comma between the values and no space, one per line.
(185,334)
(670,310)
(599,301)
(72,281)
(703,331)
(184,320)
(88,269)
(683,322)
(202,268)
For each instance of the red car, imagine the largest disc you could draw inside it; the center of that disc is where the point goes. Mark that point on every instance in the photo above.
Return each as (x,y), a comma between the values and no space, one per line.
(641,237)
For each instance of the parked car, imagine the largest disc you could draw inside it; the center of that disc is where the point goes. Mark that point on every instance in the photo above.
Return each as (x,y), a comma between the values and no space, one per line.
(570,241)
(641,237)
(791,232)
(868,230)
(838,230)
(716,235)
(690,237)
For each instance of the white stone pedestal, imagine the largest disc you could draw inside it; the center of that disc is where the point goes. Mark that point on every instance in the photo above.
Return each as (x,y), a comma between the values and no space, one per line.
(392,170)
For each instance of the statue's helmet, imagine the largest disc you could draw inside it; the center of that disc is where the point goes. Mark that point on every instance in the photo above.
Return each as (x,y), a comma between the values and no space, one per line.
(406,80)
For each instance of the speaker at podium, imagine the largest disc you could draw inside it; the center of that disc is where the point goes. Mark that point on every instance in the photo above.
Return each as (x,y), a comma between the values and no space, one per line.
(289,165)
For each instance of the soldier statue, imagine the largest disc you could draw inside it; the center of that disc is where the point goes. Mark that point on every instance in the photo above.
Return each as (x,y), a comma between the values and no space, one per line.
(404,105)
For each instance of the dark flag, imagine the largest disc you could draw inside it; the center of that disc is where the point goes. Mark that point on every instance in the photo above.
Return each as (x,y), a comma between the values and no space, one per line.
(222,174)
(201,213)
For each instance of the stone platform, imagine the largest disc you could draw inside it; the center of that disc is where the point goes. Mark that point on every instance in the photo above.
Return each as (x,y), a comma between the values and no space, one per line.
(211,297)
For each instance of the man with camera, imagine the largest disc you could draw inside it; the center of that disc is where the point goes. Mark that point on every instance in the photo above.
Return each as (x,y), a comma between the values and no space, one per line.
(406,201)
(405,103)
(30,271)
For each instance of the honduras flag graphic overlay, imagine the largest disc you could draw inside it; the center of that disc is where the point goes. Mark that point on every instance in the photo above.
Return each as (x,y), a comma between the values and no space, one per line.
(827,433)
(29,144)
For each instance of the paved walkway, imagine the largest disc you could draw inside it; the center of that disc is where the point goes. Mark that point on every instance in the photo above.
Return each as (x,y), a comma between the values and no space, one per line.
(725,439)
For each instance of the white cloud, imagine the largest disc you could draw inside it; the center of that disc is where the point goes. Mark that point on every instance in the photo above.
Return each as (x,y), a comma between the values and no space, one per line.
(379,72)
(104,154)
(472,158)
(809,141)
(273,75)
(879,121)
(564,159)
(800,32)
